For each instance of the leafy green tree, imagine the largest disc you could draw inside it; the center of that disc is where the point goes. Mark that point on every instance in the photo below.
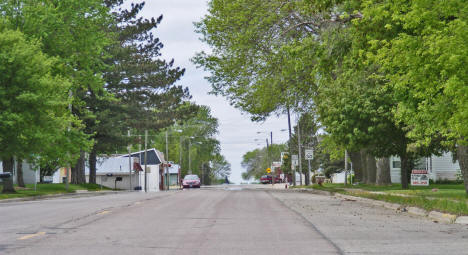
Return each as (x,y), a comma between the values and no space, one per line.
(71,31)
(423,54)
(195,136)
(309,140)
(257,161)
(33,104)
(248,62)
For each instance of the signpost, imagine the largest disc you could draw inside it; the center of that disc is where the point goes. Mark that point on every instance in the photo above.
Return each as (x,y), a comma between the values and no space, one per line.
(309,155)
(419,178)
(268,170)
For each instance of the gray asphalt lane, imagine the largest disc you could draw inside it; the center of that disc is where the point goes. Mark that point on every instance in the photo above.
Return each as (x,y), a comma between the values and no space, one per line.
(188,222)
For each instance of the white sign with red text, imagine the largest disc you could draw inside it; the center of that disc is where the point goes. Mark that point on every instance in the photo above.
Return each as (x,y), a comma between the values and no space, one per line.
(419,178)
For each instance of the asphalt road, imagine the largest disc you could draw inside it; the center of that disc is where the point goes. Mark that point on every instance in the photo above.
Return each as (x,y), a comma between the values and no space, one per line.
(219,221)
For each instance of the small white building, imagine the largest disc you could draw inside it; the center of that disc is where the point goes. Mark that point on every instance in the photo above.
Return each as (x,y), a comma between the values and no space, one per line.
(174,174)
(123,173)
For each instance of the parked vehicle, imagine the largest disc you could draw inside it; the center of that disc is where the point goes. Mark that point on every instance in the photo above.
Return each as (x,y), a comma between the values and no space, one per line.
(191,181)
(265,179)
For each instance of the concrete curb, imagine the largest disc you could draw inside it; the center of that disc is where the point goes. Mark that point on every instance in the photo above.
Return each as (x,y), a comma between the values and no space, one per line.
(462,220)
(392,206)
(417,211)
(63,195)
(442,217)
(434,215)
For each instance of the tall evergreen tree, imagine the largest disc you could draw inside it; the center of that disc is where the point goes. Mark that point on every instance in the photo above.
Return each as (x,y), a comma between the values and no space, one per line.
(144,85)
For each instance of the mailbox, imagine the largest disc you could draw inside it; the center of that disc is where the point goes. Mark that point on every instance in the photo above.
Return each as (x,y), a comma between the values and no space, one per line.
(5,175)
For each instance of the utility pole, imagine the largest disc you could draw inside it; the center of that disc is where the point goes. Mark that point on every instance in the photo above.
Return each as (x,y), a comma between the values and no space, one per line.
(202,173)
(70,95)
(272,169)
(167,162)
(140,160)
(146,158)
(299,152)
(129,162)
(189,159)
(180,162)
(346,167)
(293,168)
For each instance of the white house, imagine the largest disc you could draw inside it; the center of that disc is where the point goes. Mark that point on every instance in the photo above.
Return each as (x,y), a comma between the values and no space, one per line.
(29,172)
(123,173)
(439,167)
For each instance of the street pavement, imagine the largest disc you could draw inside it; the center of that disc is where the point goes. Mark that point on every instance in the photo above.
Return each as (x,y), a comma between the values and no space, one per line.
(219,220)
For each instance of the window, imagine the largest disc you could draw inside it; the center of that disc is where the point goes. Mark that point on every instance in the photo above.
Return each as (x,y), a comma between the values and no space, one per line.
(396,164)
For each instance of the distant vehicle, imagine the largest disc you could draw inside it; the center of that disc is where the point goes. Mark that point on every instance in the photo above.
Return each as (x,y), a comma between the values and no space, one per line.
(265,179)
(191,181)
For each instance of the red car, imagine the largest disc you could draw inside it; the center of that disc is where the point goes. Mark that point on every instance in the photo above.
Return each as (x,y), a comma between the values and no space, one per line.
(265,179)
(191,181)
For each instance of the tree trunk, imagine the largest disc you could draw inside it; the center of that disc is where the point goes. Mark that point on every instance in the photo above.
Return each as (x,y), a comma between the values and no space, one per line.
(92,166)
(19,173)
(357,166)
(78,171)
(8,186)
(462,156)
(405,170)
(383,172)
(371,169)
(364,165)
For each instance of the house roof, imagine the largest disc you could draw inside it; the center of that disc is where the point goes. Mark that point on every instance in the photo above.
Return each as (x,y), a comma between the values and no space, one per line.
(119,164)
(154,156)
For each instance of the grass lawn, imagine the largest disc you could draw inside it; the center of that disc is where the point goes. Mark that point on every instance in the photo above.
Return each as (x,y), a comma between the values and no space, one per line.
(450,198)
(48,189)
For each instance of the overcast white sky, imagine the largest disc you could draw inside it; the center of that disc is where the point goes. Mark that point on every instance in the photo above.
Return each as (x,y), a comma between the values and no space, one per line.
(236,131)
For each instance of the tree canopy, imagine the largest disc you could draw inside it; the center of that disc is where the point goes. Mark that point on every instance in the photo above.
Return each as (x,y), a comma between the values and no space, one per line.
(385,77)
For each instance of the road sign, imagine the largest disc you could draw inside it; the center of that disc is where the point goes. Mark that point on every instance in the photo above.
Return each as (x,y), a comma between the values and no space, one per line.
(284,155)
(276,164)
(309,154)
(295,160)
(268,170)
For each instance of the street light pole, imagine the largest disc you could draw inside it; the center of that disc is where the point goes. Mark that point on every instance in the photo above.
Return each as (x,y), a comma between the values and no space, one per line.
(189,159)
(146,158)
(129,163)
(70,95)
(293,169)
(167,162)
(346,167)
(180,161)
